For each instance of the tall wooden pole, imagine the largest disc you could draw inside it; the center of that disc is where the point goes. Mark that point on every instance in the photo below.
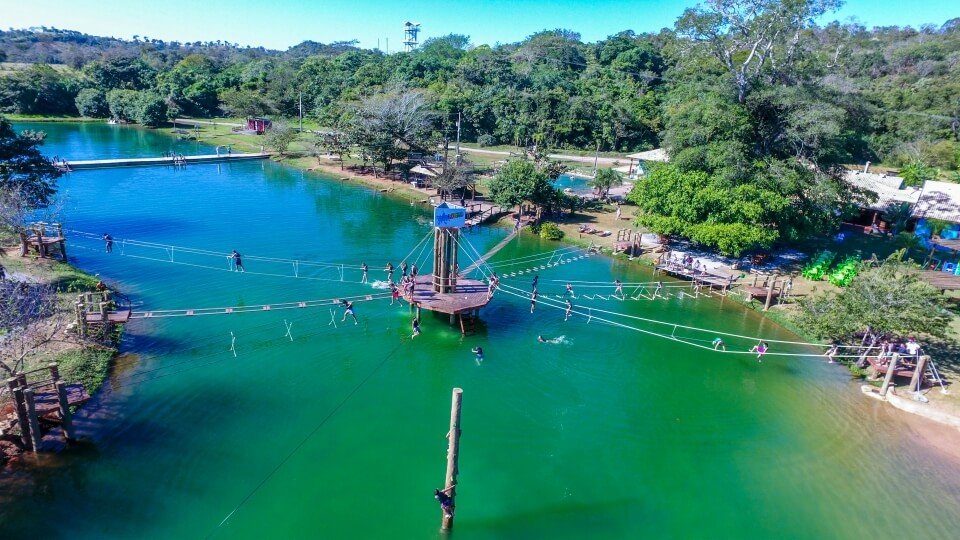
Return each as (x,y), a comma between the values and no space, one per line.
(16,392)
(890,371)
(916,382)
(771,283)
(453,454)
(32,420)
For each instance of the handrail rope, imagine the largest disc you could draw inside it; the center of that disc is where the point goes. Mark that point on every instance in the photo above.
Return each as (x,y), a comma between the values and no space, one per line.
(673,338)
(258,308)
(422,240)
(694,328)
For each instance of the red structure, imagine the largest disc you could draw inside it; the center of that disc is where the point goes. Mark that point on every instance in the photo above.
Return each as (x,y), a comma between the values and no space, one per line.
(258,125)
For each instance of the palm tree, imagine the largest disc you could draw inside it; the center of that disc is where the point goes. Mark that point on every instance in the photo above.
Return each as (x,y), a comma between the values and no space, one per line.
(604,180)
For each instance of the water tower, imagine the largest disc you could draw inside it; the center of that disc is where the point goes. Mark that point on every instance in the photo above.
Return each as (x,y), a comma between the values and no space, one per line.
(410,31)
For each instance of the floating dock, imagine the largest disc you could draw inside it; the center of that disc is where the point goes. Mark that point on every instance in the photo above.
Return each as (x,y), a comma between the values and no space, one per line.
(152,161)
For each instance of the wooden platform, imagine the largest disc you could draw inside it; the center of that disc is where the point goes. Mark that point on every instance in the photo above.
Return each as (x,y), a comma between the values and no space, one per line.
(944,281)
(471,294)
(142,162)
(115,317)
(700,276)
(905,367)
(47,402)
(752,292)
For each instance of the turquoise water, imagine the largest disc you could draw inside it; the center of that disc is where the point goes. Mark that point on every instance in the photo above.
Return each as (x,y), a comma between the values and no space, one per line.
(576,184)
(339,433)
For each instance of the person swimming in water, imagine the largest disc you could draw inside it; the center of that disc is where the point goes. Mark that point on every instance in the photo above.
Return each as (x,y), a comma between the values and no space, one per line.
(415,324)
(760,349)
(478,351)
(445,500)
(541,340)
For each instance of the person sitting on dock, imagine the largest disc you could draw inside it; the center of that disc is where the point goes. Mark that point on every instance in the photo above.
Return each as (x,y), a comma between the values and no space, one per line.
(389,271)
(619,286)
(348,310)
(237,261)
(760,349)
(446,501)
(363,268)
(566,314)
(719,344)
(415,324)
(108,242)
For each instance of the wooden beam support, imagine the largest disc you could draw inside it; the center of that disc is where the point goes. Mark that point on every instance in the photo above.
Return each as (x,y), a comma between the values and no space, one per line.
(453,457)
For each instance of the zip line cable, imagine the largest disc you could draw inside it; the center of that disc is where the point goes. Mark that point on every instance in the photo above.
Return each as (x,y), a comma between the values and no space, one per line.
(299,445)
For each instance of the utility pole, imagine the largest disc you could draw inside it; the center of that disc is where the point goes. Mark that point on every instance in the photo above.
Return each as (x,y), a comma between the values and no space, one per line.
(301,111)
(596,159)
(458,137)
(453,455)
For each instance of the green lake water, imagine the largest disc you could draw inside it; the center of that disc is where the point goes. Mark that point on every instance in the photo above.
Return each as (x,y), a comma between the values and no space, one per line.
(340,433)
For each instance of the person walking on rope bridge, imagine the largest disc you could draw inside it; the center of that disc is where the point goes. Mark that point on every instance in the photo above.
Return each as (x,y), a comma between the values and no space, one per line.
(237,261)
(108,242)
(719,344)
(656,292)
(389,271)
(619,291)
(403,269)
(569,291)
(348,310)
(536,279)
(569,310)
(533,301)
(831,352)
(760,349)
(415,325)
(363,268)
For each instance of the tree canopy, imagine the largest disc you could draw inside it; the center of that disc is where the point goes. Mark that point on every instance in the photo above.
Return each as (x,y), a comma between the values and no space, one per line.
(24,171)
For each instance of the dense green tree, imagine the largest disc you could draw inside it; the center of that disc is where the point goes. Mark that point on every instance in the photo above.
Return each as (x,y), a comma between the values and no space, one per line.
(520,181)
(280,136)
(892,299)
(24,171)
(92,102)
(605,179)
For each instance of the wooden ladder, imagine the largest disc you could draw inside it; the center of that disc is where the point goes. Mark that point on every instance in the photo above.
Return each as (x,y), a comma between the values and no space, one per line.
(468,324)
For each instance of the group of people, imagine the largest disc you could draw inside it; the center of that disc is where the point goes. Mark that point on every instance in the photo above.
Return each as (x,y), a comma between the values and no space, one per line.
(390,269)
(492,283)
(910,349)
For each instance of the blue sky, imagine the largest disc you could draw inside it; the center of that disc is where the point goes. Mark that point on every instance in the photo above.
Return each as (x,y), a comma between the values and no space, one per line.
(279,24)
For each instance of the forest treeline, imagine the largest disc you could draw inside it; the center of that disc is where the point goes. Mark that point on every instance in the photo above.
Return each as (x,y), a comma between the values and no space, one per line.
(758,105)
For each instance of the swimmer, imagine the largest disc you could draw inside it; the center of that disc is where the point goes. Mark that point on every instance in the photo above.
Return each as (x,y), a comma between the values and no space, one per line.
(569,310)
(760,349)
(446,501)
(719,344)
(479,352)
(348,311)
(541,340)
(415,324)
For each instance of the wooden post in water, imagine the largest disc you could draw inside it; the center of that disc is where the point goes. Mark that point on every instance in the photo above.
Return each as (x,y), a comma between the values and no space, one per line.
(32,419)
(917,380)
(453,455)
(13,384)
(890,370)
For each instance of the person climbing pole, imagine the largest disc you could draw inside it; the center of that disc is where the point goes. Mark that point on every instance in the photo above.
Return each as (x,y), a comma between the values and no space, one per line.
(445,500)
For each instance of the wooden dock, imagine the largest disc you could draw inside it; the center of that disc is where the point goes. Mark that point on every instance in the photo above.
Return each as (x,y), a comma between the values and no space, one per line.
(470,295)
(152,161)
(699,276)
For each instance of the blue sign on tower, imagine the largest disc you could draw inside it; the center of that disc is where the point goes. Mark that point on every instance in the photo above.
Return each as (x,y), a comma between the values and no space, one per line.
(449,216)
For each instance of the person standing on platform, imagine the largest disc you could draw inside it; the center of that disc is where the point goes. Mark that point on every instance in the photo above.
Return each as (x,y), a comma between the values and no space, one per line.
(237,261)
(413,271)
(403,269)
